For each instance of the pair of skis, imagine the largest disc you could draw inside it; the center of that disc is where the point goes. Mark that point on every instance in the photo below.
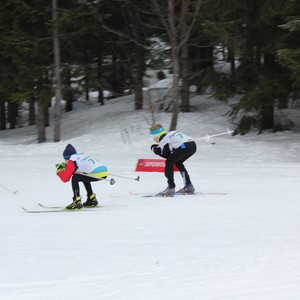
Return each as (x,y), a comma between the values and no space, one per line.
(176,194)
(50,209)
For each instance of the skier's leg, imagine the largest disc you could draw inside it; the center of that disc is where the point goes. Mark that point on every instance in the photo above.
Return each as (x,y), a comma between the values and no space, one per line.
(75,185)
(91,197)
(185,153)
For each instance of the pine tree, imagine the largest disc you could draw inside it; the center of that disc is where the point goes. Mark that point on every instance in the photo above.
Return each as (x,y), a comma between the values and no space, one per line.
(252,31)
(23,39)
(289,52)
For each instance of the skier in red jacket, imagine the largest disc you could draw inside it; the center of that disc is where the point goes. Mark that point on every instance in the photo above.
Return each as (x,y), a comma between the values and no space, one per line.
(81,168)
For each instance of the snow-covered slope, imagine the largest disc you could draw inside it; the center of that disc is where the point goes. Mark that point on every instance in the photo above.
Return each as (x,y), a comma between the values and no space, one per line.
(243,245)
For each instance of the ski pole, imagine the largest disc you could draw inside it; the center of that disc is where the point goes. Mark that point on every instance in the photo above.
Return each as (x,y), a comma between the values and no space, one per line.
(130,178)
(111,181)
(9,190)
(207,137)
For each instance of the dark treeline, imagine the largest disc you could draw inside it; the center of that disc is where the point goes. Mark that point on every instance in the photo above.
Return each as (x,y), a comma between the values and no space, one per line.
(108,45)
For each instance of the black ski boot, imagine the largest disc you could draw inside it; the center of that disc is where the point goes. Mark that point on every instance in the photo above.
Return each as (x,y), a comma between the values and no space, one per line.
(91,201)
(76,204)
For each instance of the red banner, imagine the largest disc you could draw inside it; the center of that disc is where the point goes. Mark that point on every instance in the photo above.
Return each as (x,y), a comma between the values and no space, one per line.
(151,165)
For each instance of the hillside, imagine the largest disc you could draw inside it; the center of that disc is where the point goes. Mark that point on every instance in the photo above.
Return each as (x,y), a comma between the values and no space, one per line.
(238,240)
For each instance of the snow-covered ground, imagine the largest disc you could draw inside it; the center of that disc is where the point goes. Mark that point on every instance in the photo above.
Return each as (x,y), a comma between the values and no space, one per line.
(244,245)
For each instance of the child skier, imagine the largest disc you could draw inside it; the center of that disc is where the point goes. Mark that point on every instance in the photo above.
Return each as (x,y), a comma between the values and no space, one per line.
(176,147)
(81,168)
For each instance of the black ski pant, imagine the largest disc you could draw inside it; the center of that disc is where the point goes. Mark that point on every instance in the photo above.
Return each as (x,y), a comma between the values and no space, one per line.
(76,178)
(177,158)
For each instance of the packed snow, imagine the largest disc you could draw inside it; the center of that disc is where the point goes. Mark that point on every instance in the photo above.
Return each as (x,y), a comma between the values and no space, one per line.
(238,240)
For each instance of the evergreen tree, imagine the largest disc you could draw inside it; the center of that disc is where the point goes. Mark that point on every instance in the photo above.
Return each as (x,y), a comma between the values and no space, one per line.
(289,52)
(24,50)
(252,30)
(128,44)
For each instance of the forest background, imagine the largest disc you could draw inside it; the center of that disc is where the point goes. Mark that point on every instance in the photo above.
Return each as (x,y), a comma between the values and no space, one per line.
(67,49)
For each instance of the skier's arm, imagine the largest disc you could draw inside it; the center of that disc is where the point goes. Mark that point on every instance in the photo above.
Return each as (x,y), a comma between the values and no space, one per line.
(66,174)
(156,149)
(165,153)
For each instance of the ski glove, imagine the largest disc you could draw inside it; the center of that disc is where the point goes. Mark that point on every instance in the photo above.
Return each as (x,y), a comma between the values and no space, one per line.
(156,149)
(60,167)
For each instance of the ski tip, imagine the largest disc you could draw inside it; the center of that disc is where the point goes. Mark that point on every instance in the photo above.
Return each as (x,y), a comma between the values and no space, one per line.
(132,193)
(164,196)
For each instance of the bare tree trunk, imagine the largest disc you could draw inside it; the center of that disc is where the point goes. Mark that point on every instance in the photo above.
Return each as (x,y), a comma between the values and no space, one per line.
(138,94)
(184,59)
(175,63)
(57,80)
(41,123)
(175,25)
(12,114)
(2,116)
(138,72)
(32,111)
(266,115)
(99,77)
